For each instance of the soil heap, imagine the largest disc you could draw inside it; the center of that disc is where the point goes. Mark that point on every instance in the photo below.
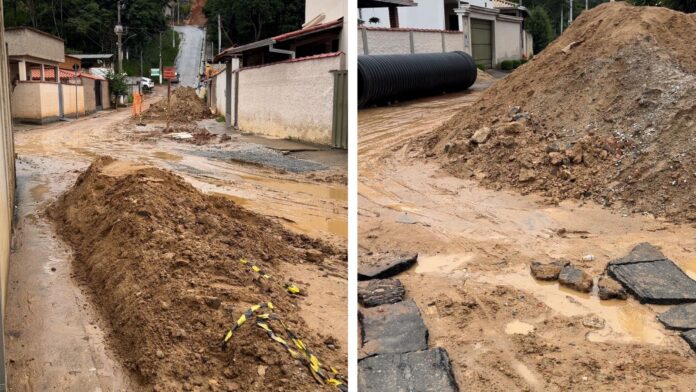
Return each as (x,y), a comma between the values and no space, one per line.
(161,262)
(186,106)
(606,112)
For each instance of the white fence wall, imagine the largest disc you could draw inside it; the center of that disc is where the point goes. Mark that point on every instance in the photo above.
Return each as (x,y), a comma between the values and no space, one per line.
(292,99)
(405,41)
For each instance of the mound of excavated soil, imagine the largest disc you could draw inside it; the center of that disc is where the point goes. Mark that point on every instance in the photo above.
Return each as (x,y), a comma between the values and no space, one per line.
(161,262)
(185,104)
(606,112)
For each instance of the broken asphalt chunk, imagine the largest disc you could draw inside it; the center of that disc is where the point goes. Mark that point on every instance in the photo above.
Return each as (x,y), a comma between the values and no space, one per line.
(386,266)
(575,278)
(679,317)
(690,337)
(652,279)
(380,292)
(393,328)
(421,371)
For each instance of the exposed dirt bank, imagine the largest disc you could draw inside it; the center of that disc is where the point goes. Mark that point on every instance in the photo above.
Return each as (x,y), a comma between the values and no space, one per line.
(606,112)
(161,262)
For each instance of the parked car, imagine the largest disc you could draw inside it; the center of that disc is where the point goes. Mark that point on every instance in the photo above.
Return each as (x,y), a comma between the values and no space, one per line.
(147,84)
(176,78)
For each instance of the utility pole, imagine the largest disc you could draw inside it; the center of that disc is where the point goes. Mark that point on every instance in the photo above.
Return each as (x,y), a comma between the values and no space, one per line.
(141,63)
(570,13)
(561,18)
(119,33)
(178,12)
(587,5)
(219,35)
(173,39)
(160,65)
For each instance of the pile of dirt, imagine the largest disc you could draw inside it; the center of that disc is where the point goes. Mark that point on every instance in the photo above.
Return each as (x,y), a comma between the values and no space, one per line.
(606,112)
(161,262)
(186,106)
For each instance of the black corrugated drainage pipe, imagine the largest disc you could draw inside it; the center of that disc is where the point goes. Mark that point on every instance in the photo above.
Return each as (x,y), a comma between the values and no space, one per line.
(382,78)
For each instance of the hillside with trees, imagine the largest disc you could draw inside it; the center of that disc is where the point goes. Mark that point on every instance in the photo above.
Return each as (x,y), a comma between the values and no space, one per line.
(245,21)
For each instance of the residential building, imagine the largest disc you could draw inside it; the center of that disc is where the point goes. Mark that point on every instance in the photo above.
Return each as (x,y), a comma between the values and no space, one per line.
(490,30)
(41,91)
(293,85)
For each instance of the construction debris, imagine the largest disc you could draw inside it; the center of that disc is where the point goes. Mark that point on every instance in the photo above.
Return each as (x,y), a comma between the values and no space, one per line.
(428,370)
(385,265)
(547,271)
(609,117)
(608,288)
(186,106)
(380,292)
(393,328)
(679,317)
(575,278)
(162,261)
(653,278)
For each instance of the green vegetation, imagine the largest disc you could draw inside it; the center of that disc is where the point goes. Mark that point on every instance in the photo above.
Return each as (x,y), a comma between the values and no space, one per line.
(151,55)
(117,84)
(506,65)
(516,63)
(540,27)
(220,119)
(251,20)
(87,26)
(482,67)
(679,5)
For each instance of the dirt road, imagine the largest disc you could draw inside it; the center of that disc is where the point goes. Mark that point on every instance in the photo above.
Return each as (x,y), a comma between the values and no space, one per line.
(504,330)
(189,59)
(55,341)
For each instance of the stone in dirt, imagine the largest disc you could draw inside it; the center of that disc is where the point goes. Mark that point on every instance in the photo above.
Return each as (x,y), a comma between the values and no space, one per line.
(385,266)
(575,278)
(393,328)
(610,289)
(679,317)
(481,135)
(652,278)
(547,271)
(421,371)
(380,292)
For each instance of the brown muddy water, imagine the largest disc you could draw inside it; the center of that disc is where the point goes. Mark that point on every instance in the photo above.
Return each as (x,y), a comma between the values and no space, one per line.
(55,341)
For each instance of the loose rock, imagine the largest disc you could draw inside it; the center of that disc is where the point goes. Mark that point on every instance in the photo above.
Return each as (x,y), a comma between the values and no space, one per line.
(575,278)
(548,271)
(380,292)
(610,289)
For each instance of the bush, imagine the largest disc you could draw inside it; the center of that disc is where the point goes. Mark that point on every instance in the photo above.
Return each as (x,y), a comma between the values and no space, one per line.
(220,119)
(117,83)
(539,26)
(506,65)
(516,63)
(482,67)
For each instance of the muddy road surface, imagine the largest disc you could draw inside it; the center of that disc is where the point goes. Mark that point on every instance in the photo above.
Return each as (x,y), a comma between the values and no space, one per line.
(56,341)
(503,329)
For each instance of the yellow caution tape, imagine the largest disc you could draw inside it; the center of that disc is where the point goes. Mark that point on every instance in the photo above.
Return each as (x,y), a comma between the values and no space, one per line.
(319,372)
(292,289)
(254,268)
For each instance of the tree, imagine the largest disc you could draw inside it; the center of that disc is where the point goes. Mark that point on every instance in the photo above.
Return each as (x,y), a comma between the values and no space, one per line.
(679,5)
(540,27)
(245,21)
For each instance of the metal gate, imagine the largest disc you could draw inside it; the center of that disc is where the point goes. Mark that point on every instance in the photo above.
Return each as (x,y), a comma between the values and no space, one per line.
(482,42)
(339,137)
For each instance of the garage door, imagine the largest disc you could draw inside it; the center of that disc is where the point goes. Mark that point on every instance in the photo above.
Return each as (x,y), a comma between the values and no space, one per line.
(482,42)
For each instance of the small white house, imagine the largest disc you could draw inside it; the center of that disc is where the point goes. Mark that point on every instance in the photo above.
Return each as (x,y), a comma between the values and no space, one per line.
(490,30)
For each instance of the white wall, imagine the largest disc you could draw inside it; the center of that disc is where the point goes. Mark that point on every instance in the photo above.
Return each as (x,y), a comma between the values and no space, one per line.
(428,14)
(508,40)
(387,41)
(292,99)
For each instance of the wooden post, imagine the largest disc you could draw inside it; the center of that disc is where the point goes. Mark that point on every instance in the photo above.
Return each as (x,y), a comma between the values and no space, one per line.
(169,94)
